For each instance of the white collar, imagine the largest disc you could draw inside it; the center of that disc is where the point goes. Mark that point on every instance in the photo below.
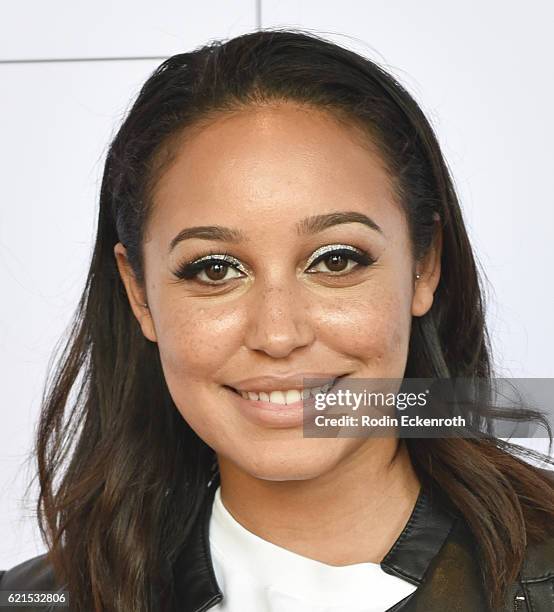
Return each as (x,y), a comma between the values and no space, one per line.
(282,570)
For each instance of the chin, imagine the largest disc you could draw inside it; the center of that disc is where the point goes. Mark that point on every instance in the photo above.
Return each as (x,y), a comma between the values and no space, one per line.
(292,462)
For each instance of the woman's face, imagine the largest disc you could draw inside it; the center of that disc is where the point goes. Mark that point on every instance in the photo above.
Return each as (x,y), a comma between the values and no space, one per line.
(279,190)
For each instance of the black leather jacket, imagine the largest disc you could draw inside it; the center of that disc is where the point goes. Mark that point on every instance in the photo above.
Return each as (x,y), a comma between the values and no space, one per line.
(435,551)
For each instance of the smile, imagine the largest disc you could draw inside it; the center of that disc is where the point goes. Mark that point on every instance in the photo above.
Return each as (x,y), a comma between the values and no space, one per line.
(284,397)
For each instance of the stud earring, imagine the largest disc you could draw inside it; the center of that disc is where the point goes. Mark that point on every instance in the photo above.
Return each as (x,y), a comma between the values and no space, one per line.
(418,275)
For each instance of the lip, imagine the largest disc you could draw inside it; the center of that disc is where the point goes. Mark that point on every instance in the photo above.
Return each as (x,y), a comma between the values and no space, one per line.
(278,416)
(284,382)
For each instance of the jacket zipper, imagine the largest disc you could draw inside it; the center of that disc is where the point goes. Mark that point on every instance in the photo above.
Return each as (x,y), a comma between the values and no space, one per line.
(520,602)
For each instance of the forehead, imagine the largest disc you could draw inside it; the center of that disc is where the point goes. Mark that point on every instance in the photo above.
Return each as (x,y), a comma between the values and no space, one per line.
(274,164)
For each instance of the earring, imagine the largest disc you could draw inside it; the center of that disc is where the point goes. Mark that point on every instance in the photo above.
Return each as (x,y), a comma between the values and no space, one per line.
(418,275)
(145,305)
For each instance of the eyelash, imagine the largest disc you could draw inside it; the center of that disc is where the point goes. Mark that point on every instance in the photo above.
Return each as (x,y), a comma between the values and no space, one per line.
(190,270)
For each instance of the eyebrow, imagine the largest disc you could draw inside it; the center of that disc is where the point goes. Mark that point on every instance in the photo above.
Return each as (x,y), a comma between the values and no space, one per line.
(308,226)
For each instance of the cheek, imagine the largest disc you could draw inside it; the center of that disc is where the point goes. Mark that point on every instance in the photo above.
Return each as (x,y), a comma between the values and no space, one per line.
(196,340)
(194,344)
(371,327)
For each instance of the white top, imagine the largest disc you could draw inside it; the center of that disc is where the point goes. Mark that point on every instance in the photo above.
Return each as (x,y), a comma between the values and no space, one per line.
(255,575)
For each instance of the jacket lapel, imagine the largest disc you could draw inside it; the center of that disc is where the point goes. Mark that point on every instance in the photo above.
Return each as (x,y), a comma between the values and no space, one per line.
(434,552)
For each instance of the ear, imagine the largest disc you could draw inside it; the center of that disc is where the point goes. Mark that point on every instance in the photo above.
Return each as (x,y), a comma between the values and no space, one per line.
(135,293)
(429,270)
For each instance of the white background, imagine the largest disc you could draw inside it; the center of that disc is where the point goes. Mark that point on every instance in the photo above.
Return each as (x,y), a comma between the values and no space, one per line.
(482,72)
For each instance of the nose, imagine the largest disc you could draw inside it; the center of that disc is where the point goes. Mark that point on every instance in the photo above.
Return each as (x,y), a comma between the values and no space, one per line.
(278,322)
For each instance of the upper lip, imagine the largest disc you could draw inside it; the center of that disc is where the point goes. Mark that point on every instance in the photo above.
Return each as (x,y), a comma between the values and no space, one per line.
(282,383)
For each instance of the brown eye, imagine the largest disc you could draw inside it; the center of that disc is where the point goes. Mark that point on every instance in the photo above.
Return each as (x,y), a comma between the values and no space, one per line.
(336,262)
(211,270)
(339,261)
(216,271)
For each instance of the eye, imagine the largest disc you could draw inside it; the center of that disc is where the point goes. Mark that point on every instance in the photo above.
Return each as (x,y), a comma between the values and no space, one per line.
(212,269)
(219,268)
(338,259)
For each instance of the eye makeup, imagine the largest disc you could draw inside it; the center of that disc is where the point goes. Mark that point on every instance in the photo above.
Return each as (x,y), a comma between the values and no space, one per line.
(189,270)
(358,255)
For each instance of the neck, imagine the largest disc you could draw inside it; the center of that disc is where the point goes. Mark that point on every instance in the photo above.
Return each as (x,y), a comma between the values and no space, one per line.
(351,514)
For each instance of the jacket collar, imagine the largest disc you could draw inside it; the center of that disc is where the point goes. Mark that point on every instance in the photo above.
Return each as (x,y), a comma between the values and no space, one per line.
(430,523)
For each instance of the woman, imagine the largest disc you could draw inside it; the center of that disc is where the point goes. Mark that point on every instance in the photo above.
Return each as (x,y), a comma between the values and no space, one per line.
(276,208)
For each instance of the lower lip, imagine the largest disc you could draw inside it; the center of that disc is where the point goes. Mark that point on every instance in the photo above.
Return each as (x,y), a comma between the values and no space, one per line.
(270,414)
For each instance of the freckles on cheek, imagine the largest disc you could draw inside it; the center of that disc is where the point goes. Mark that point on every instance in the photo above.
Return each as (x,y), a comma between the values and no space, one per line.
(196,338)
(372,327)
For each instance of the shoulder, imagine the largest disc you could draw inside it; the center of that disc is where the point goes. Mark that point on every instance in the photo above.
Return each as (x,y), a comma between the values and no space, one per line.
(34,574)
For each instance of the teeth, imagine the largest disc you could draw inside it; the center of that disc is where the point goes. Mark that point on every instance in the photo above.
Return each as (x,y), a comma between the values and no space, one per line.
(323,389)
(292,396)
(277,397)
(286,397)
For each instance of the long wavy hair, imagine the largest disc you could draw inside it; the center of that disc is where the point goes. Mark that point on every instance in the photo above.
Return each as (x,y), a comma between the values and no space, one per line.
(121,473)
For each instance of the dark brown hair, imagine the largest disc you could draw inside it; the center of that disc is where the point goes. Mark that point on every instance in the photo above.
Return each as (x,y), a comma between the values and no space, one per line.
(122,475)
